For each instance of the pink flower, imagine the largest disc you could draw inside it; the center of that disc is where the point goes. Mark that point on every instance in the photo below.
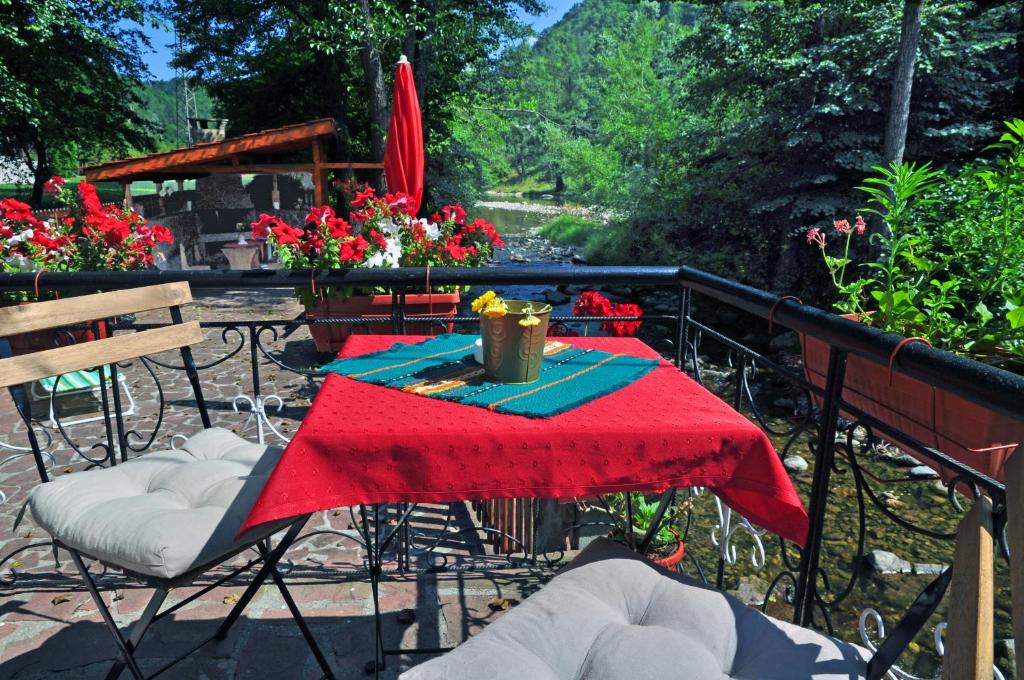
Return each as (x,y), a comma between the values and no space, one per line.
(860,225)
(842,226)
(816,235)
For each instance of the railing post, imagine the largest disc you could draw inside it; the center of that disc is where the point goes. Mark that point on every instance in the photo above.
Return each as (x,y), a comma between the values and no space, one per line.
(682,330)
(823,458)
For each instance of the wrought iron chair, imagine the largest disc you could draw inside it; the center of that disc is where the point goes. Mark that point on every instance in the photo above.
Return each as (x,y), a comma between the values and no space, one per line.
(163,518)
(611,614)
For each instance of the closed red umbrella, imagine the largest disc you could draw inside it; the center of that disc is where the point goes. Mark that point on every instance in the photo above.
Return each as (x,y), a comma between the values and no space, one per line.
(403,155)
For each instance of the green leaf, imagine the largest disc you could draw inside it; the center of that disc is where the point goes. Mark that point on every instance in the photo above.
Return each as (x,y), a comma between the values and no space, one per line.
(983,313)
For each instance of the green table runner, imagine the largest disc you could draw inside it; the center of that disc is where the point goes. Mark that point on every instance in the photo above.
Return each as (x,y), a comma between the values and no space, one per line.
(444,368)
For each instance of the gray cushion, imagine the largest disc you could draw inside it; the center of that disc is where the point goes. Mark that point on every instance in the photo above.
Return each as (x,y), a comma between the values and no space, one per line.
(612,615)
(165,513)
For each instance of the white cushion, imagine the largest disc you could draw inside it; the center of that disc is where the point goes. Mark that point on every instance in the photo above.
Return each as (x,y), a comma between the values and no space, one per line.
(612,615)
(165,513)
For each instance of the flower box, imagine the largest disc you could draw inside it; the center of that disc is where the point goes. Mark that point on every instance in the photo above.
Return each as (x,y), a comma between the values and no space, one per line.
(961,429)
(330,337)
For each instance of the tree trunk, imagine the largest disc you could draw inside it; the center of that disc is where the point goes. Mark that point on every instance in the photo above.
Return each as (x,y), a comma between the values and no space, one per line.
(40,173)
(377,99)
(1018,90)
(902,82)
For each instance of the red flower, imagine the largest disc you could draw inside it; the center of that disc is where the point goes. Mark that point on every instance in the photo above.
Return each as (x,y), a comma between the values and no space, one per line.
(90,200)
(861,225)
(621,329)
(261,227)
(454,212)
(362,197)
(378,238)
(352,250)
(842,226)
(162,234)
(17,211)
(339,228)
(285,234)
(54,184)
(319,215)
(591,303)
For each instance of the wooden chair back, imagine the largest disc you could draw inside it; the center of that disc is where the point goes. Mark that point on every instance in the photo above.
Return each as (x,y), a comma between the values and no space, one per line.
(52,314)
(17,371)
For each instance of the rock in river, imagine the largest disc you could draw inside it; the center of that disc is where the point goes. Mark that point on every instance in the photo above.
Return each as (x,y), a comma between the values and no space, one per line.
(794,464)
(885,562)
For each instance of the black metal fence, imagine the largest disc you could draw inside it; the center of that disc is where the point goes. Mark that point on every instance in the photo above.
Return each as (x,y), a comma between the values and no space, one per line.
(814,584)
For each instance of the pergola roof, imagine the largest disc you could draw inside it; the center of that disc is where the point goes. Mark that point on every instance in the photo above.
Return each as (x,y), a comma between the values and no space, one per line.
(249,153)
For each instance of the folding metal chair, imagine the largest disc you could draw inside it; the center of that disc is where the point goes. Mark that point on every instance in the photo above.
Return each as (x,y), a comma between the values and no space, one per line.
(163,518)
(78,382)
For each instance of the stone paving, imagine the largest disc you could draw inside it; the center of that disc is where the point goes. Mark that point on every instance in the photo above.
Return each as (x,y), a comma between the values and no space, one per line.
(49,627)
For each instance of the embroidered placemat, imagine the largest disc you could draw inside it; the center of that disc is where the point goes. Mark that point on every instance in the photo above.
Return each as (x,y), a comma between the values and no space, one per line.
(444,368)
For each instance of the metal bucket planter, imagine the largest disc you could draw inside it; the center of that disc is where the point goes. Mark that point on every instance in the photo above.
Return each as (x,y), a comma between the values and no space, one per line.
(514,353)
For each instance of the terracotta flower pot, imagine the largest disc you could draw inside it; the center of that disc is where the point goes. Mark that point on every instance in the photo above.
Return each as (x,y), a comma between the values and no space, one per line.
(939,419)
(330,337)
(677,555)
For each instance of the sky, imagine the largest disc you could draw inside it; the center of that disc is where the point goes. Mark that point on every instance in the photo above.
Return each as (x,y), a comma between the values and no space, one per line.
(163,38)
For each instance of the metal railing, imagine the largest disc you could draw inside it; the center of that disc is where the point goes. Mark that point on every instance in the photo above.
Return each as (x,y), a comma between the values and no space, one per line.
(836,441)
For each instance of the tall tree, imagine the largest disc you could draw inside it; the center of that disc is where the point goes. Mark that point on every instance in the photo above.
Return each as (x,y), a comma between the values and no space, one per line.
(902,83)
(278,61)
(70,77)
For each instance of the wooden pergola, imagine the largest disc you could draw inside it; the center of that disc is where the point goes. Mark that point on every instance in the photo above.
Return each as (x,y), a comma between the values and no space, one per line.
(253,153)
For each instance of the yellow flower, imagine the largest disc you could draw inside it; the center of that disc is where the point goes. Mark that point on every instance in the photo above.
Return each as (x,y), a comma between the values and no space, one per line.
(495,308)
(529,321)
(483,301)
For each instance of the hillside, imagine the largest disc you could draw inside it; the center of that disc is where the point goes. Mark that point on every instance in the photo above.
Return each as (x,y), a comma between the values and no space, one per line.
(159,97)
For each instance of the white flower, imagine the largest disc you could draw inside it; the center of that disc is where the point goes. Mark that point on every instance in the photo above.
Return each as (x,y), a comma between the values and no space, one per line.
(432,229)
(389,257)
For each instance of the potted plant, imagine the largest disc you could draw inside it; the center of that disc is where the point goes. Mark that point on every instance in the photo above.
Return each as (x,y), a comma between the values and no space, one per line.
(513,336)
(949,273)
(380,232)
(87,237)
(667,548)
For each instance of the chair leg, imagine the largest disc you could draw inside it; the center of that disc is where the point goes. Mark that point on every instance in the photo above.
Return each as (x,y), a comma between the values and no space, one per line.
(269,562)
(126,650)
(301,623)
(139,629)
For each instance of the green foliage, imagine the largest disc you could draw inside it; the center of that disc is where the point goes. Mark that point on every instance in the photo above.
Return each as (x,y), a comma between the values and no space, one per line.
(570,229)
(716,130)
(160,99)
(69,77)
(950,266)
(275,63)
(644,512)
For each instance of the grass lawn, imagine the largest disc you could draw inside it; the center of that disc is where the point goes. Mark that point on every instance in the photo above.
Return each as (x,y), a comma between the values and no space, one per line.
(109,192)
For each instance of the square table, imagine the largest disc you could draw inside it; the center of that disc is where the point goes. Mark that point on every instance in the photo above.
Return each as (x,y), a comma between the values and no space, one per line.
(363,444)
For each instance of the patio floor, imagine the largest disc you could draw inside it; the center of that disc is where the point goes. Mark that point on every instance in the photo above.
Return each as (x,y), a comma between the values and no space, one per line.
(49,627)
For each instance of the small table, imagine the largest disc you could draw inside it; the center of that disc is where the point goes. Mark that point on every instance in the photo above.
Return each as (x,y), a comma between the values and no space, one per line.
(363,444)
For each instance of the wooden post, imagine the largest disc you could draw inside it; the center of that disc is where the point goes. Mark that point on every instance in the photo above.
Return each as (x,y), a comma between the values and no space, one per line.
(160,196)
(127,195)
(1014,471)
(275,194)
(969,637)
(319,174)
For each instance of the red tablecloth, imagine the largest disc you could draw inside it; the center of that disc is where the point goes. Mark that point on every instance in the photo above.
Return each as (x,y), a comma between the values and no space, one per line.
(364,444)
